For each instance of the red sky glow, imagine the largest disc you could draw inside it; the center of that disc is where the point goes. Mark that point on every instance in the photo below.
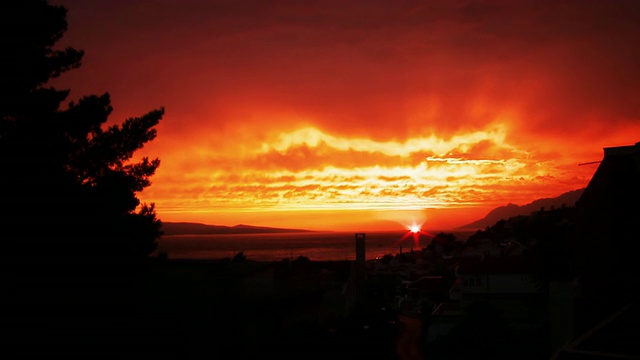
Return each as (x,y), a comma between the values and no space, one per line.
(356,115)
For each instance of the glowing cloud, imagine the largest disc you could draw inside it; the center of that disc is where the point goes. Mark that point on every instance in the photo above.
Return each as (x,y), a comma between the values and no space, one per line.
(281,113)
(308,169)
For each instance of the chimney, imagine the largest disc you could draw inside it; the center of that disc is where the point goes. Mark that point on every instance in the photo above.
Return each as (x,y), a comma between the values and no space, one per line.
(360,249)
(357,276)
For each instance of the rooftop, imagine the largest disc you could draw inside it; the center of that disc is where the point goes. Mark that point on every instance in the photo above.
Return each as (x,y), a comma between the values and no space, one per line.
(614,338)
(622,150)
(515,264)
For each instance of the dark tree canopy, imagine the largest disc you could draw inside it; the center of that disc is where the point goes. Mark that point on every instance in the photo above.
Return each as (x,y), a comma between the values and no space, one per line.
(68,186)
(74,238)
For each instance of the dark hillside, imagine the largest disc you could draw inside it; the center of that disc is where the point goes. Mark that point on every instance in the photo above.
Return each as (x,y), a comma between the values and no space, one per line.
(512,210)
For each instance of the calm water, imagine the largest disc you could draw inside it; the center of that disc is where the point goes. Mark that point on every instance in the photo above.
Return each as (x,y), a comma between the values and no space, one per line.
(317,246)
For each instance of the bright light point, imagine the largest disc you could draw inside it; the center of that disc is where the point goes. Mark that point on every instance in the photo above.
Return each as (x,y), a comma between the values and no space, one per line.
(414,228)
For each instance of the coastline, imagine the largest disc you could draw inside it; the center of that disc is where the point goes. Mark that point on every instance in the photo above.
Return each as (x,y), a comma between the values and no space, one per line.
(317,246)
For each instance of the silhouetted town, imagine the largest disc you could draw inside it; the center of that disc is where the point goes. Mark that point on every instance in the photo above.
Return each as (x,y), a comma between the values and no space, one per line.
(556,284)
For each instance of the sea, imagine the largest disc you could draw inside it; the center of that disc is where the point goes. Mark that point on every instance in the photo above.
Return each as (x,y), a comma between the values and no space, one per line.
(315,245)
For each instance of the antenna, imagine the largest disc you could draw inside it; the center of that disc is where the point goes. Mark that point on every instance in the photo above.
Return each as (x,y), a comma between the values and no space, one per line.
(590,162)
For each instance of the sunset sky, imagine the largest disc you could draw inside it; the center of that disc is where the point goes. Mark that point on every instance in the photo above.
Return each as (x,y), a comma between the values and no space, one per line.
(362,115)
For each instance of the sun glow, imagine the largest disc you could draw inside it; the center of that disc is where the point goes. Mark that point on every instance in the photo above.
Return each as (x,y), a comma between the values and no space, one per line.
(414,230)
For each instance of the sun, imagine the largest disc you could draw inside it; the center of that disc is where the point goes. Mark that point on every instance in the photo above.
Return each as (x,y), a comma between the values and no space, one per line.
(414,231)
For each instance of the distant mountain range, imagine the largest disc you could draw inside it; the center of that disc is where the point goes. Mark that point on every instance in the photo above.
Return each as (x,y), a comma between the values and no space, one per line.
(511,210)
(189,228)
(495,215)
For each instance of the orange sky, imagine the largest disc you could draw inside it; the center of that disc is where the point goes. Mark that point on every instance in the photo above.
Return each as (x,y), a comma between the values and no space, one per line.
(358,115)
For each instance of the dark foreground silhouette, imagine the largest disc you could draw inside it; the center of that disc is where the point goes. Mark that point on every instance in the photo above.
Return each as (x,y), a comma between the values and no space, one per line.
(206,310)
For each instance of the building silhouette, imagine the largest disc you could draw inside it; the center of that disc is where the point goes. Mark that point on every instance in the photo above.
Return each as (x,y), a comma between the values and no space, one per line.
(602,299)
(355,289)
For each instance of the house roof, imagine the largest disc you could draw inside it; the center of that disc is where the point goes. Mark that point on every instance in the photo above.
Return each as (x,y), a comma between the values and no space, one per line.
(614,338)
(515,264)
(427,284)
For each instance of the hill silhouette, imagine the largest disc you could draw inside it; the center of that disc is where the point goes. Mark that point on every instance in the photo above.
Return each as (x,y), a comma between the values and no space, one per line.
(190,228)
(510,210)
